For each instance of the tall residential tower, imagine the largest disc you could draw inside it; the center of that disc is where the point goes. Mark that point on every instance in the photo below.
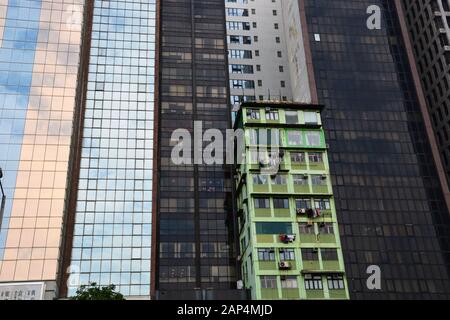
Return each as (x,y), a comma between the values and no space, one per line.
(257,56)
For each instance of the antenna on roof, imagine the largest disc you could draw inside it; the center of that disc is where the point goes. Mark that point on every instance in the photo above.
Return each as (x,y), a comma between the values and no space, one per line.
(269,94)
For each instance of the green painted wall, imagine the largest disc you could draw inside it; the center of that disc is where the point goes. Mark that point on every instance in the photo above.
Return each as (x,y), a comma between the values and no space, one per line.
(268,204)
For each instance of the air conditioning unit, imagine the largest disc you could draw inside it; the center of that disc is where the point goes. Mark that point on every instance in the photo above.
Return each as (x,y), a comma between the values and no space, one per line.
(287,238)
(284,265)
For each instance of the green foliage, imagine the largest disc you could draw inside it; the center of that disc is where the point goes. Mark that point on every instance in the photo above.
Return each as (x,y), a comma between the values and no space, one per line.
(95,292)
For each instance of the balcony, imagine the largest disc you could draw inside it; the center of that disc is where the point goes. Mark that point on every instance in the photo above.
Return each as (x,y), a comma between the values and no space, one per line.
(320,189)
(263,213)
(311,265)
(317,166)
(332,265)
(261,188)
(279,188)
(301,189)
(282,213)
(290,294)
(338,294)
(269,294)
(268,265)
(308,238)
(315,294)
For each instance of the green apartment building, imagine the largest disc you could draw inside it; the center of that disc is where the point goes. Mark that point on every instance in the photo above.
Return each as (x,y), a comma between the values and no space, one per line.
(289,237)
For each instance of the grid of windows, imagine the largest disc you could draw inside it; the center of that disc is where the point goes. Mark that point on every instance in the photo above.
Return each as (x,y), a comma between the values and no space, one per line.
(388,199)
(429,26)
(112,233)
(195,201)
(39,56)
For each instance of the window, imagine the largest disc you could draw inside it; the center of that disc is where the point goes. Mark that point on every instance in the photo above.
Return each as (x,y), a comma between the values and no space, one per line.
(287,255)
(241,68)
(268,282)
(300,179)
(266,254)
(281,203)
(260,179)
(262,203)
(302,203)
(326,228)
(267,137)
(279,179)
(289,282)
(322,204)
(291,117)
(315,157)
(272,115)
(273,228)
(329,254)
(313,282)
(313,138)
(253,133)
(239,54)
(242,84)
(253,114)
(335,282)
(318,180)
(306,228)
(294,137)
(310,254)
(310,117)
(297,157)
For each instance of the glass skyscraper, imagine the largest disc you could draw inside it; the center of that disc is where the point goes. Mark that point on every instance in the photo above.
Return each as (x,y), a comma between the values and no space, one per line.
(39,59)
(389,201)
(111,239)
(196,257)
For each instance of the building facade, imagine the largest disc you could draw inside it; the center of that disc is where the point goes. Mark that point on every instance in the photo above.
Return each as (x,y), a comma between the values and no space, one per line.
(289,236)
(258,66)
(391,202)
(39,59)
(195,232)
(429,27)
(108,225)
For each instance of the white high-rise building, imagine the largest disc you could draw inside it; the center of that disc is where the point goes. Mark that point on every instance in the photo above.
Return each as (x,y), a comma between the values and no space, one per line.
(258,55)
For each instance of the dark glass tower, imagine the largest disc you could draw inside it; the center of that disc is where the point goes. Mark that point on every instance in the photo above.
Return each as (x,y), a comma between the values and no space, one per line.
(195,257)
(389,201)
(429,27)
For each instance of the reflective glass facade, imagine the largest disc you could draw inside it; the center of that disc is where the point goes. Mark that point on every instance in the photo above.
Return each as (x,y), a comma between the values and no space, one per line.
(388,198)
(112,233)
(196,253)
(39,57)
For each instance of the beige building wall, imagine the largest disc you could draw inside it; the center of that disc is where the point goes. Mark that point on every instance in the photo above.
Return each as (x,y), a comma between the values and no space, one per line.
(32,248)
